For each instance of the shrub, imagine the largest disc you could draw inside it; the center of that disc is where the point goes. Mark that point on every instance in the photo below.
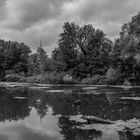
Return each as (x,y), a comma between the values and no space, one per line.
(86,81)
(12,78)
(2,75)
(97,79)
(68,79)
(49,78)
(113,76)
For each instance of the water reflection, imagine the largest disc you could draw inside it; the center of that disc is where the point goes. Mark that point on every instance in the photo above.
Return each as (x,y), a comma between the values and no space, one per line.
(13,109)
(71,133)
(42,115)
(127,135)
(91,105)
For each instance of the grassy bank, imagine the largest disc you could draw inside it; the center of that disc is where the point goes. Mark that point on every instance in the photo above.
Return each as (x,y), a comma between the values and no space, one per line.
(66,78)
(46,78)
(55,78)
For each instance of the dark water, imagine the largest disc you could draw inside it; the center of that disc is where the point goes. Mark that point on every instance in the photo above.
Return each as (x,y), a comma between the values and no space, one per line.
(45,114)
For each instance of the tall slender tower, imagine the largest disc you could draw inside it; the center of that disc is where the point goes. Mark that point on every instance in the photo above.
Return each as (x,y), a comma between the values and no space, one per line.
(40,43)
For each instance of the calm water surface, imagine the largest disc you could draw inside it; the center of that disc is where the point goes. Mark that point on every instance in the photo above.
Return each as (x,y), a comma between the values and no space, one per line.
(45,113)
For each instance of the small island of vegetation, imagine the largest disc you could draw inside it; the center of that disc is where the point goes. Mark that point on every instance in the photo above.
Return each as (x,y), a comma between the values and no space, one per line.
(84,55)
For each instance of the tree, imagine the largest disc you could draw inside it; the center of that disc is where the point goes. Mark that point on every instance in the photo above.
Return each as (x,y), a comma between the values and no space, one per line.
(127,48)
(33,65)
(37,62)
(83,50)
(42,59)
(13,57)
(2,72)
(58,64)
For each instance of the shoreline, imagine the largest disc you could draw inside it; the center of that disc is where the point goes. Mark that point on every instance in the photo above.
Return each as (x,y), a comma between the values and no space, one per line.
(64,85)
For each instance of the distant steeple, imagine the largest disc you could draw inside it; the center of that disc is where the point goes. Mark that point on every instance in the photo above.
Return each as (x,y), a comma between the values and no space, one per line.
(40,43)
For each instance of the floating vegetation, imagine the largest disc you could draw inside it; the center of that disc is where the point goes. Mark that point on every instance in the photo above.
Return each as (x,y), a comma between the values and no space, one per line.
(130,98)
(92,92)
(38,87)
(132,126)
(110,92)
(20,98)
(89,88)
(78,119)
(91,119)
(56,91)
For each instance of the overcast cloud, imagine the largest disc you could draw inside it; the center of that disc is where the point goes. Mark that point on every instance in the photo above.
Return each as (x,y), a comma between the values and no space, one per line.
(29,20)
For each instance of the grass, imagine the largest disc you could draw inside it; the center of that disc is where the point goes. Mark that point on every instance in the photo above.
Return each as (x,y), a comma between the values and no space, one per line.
(48,78)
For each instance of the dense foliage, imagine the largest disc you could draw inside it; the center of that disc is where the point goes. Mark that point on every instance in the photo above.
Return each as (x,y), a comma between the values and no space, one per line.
(83,53)
(13,57)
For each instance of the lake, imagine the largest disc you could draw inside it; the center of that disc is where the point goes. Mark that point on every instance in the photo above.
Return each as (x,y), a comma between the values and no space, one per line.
(52,112)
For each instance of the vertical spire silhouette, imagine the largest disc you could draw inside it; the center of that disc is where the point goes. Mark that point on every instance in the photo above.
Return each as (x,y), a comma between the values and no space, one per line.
(40,43)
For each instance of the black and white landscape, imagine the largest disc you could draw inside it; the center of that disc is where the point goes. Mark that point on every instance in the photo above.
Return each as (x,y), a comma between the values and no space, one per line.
(69,69)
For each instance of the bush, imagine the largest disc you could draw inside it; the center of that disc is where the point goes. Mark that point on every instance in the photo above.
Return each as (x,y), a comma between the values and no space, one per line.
(2,75)
(12,78)
(97,79)
(113,76)
(54,78)
(68,79)
(49,78)
(86,81)
(31,79)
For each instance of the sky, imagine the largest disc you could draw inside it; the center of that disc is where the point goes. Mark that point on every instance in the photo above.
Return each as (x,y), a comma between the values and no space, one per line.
(29,21)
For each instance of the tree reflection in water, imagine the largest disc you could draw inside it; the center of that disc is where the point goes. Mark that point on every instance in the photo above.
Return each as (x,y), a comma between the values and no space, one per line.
(13,109)
(41,106)
(70,132)
(106,106)
(127,135)
(90,105)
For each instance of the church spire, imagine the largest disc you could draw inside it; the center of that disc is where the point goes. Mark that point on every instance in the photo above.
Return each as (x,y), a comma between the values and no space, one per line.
(40,43)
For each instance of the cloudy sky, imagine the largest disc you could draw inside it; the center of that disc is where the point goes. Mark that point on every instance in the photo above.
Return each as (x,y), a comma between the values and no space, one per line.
(29,20)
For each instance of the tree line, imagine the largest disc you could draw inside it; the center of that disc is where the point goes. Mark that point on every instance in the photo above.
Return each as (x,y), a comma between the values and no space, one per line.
(83,52)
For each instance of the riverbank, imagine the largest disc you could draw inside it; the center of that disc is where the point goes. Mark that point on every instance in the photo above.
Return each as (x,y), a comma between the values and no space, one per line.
(60,78)
(24,84)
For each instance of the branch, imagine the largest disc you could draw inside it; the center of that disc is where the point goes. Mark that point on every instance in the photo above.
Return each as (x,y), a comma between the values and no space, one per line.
(80,45)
